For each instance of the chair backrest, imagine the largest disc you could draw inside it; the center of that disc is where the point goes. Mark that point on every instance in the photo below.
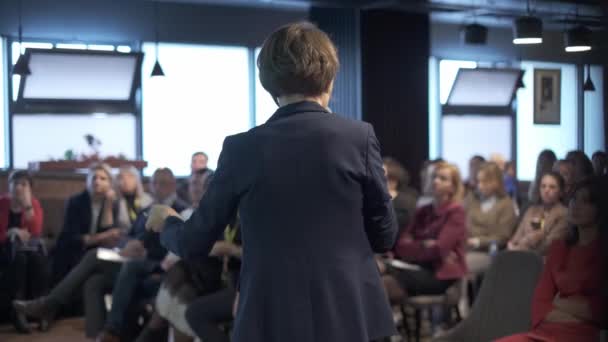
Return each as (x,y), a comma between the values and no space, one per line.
(503,305)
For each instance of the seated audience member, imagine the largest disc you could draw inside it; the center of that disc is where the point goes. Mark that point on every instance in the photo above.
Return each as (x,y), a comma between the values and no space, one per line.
(491,217)
(198,161)
(90,220)
(205,313)
(543,222)
(22,256)
(544,163)
(404,197)
(434,240)
(600,163)
(178,289)
(135,280)
(474,164)
(94,276)
(569,301)
(583,167)
(566,169)
(132,197)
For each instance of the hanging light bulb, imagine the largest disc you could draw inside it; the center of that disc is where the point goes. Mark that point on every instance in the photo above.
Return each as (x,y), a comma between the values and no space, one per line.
(22,67)
(157,70)
(588,86)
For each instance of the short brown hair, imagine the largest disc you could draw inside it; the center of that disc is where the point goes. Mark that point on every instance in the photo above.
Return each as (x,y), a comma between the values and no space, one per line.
(396,172)
(298,58)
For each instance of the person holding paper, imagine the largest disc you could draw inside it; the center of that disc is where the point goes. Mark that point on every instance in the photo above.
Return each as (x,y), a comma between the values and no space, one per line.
(434,241)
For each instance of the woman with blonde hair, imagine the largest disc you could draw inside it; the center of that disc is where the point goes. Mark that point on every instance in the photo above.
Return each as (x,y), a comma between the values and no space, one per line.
(132,197)
(491,217)
(435,241)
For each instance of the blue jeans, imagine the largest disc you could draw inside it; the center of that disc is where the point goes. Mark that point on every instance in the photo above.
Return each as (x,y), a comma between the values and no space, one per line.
(133,284)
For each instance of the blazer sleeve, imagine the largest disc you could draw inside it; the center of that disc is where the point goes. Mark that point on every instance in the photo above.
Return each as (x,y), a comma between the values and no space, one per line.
(71,234)
(451,235)
(542,301)
(519,233)
(34,223)
(195,237)
(558,231)
(378,212)
(505,222)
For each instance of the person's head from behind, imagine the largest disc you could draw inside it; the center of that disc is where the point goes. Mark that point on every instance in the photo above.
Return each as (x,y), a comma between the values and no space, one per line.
(566,169)
(474,164)
(490,181)
(587,208)
(544,163)
(447,183)
(583,168)
(551,188)
(298,60)
(163,184)
(600,163)
(19,183)
(99,179)
(198,185)
(129,182)
(198,161)
(396,175)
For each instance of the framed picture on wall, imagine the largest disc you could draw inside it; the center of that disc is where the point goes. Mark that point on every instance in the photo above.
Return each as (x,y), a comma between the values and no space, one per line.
(547,96)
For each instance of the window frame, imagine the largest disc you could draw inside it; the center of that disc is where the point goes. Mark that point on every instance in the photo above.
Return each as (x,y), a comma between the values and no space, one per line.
(65,106)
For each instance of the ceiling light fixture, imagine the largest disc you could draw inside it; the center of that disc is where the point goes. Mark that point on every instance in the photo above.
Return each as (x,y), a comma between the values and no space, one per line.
(475,34)
(578,39)
(22,67)
(157,70)
(528,29)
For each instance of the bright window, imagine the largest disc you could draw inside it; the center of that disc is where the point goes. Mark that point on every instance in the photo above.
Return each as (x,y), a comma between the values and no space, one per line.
(203,97)
(41,137)
(264,104)
(447,75)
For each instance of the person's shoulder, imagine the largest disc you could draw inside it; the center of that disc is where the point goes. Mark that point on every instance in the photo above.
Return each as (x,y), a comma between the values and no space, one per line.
(80,197)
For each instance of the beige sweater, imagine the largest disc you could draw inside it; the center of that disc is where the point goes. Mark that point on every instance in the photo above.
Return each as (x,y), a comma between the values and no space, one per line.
(496,224)
(555,226)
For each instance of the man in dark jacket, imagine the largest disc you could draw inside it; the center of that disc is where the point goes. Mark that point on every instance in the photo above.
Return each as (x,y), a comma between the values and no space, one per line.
(313,204)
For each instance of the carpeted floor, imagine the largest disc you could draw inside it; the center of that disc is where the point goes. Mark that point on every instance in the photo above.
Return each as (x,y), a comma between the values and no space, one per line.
(67,330)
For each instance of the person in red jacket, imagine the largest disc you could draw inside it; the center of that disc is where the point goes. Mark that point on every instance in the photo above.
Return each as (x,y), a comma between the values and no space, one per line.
(569,302)
(23,261)
(434,241)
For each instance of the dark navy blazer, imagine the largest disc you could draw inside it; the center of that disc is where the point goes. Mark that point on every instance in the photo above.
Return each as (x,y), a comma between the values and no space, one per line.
(314,208)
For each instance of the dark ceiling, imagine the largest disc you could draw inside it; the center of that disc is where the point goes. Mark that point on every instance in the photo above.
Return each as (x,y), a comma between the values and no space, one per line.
(489,12)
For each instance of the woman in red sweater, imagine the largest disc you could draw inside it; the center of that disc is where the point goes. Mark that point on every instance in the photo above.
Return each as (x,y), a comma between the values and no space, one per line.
(20,228)
(434,240)
(570,297)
